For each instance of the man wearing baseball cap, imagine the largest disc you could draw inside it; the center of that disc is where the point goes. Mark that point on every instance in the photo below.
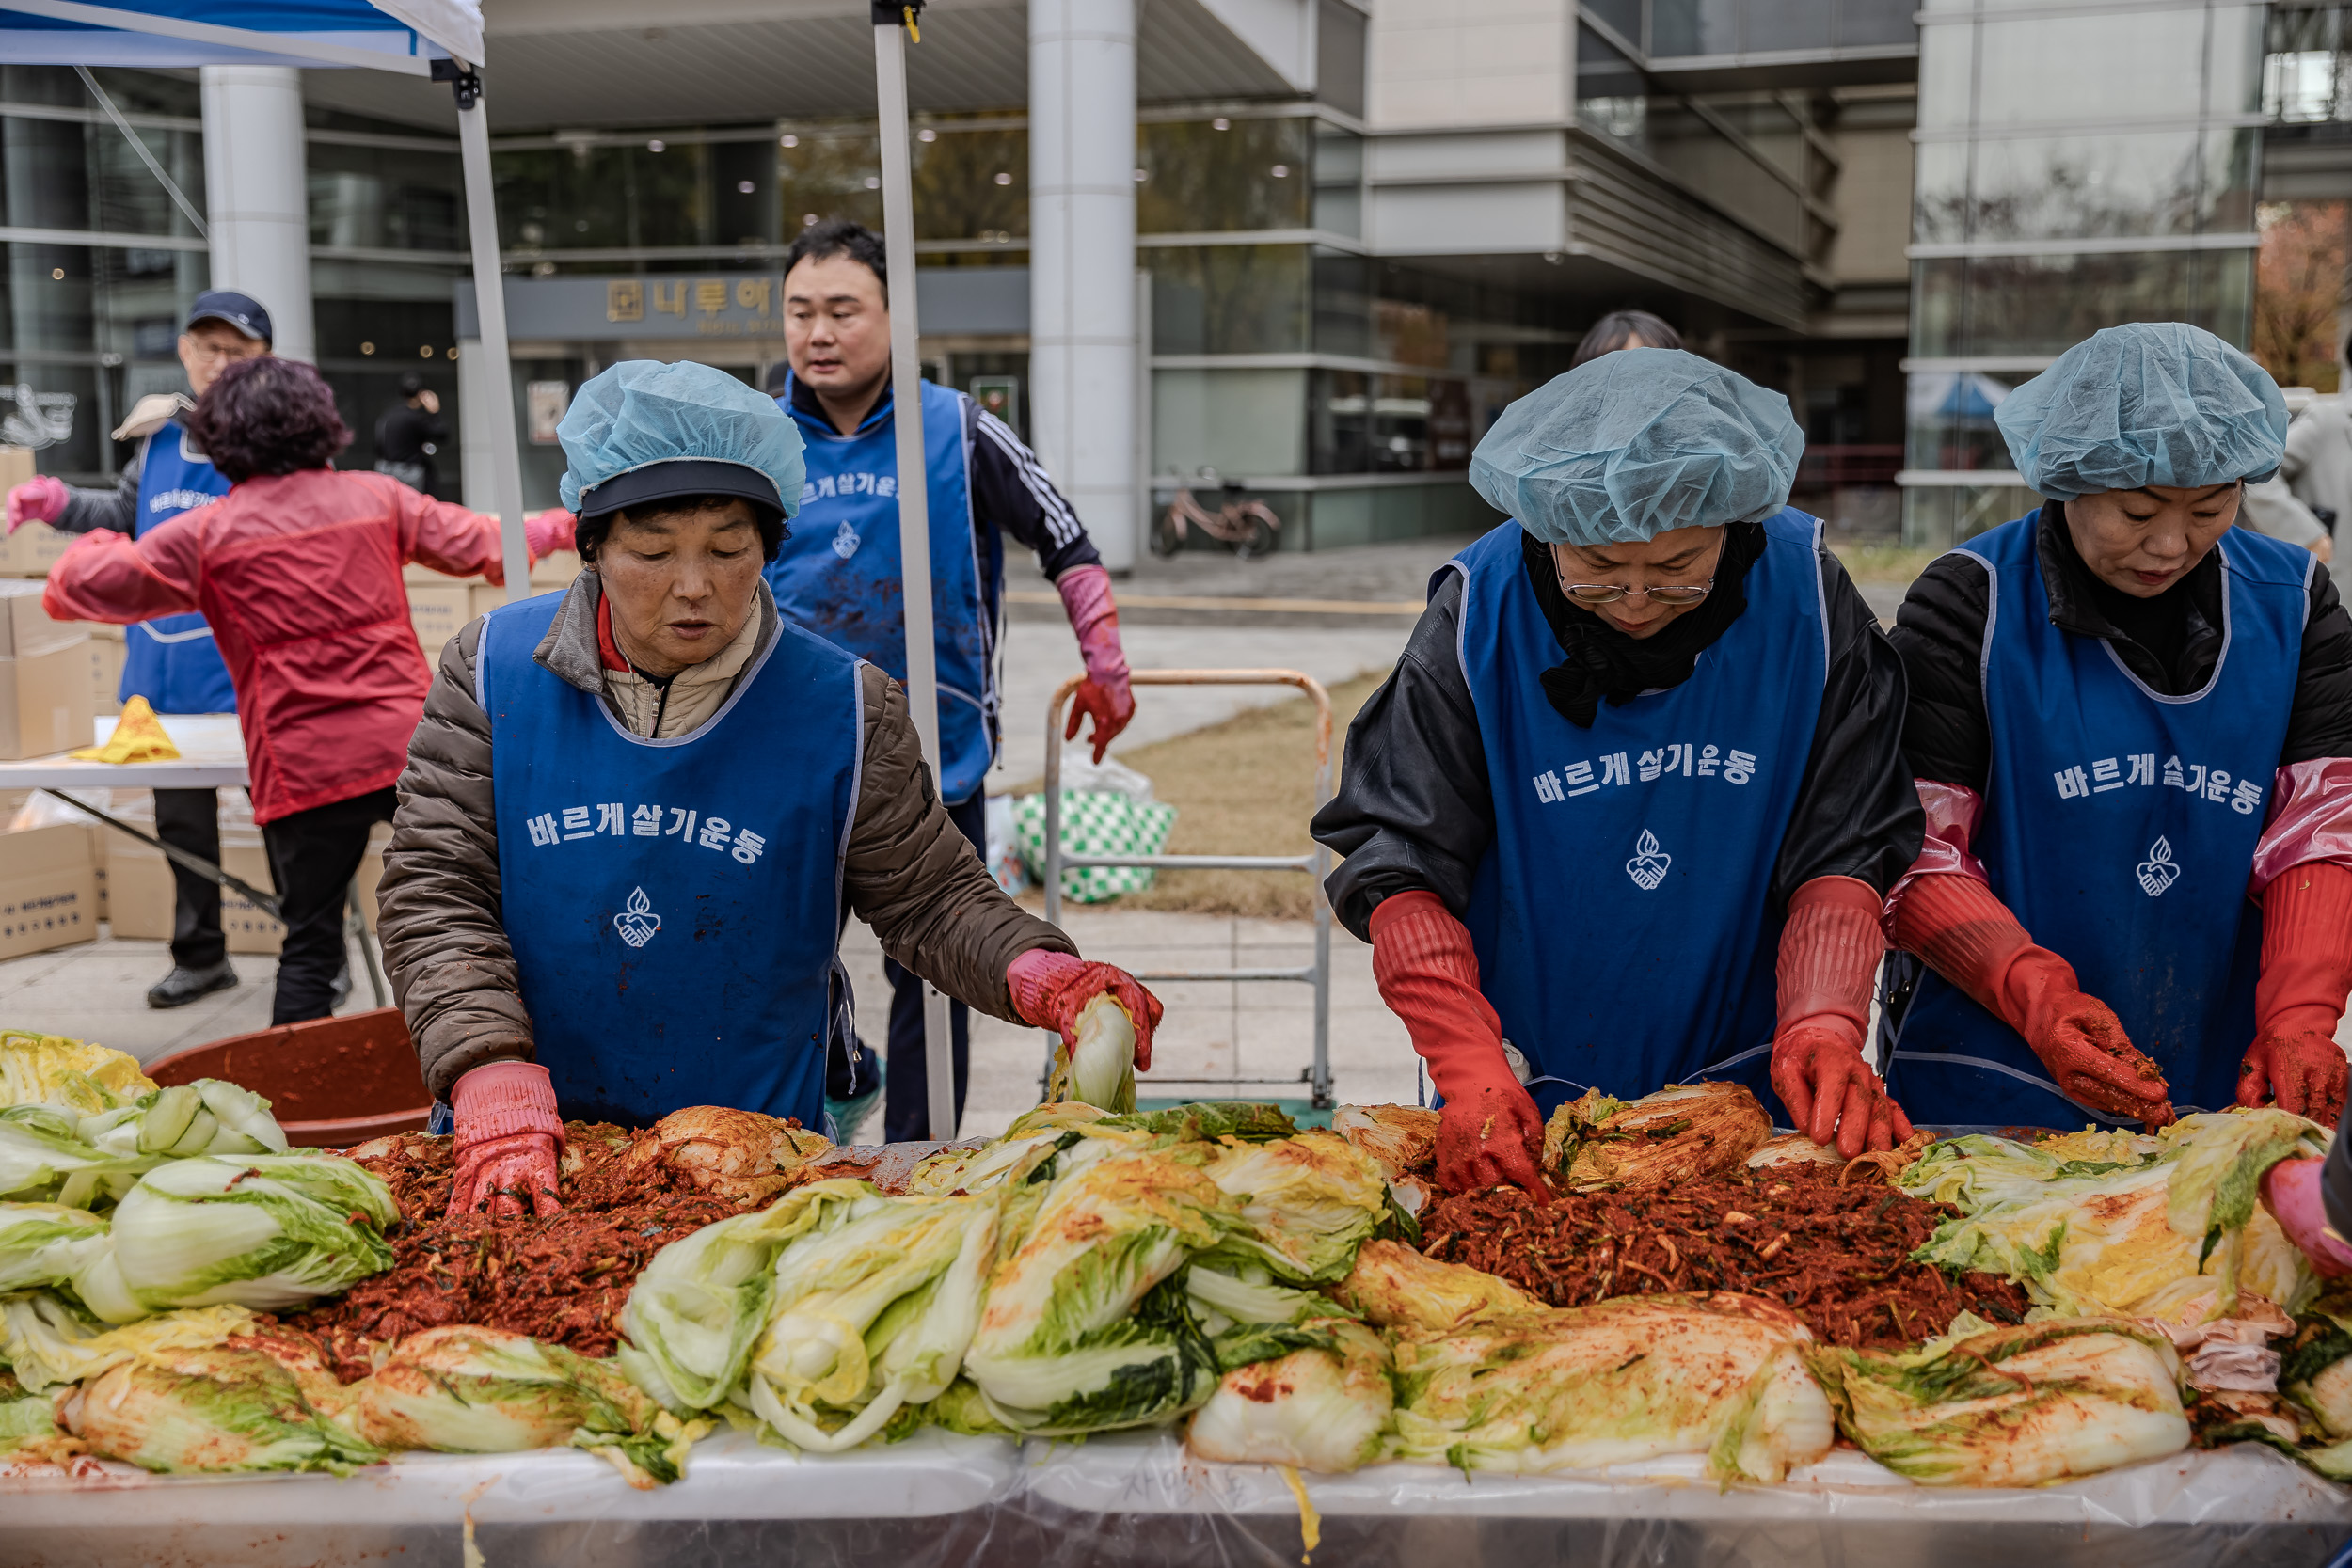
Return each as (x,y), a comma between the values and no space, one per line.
(170,661)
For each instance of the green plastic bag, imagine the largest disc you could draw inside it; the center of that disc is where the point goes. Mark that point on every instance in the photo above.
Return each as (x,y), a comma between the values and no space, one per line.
(1095,822)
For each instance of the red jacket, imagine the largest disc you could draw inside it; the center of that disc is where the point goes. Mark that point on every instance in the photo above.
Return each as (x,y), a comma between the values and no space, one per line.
(299,576)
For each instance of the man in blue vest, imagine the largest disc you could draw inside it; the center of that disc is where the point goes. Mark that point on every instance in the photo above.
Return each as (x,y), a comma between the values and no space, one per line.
(2131,723)
(172,661)
(1623,815)
(634,812)
(838,575)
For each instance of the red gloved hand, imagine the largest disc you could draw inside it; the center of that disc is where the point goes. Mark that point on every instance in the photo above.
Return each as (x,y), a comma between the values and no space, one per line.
(2307,969)
(1488,1130)
(508,1134)
(1085,596)
(39,499)
(2291,1191)
(1050,989)
(1829,957)
(1969,937)
(548,532)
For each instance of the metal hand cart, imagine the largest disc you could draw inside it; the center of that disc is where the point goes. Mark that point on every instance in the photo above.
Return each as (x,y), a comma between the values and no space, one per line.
(1316,863)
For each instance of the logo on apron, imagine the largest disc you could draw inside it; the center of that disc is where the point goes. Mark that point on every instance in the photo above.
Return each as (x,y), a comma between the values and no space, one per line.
(2157,872)
(1649,862)
(638,922)
(846,539)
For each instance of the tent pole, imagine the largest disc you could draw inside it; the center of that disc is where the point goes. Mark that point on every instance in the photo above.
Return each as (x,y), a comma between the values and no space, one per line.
(489,293)
(915,530)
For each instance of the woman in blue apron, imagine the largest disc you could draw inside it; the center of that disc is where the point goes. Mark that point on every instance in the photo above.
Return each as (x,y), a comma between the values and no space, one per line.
(171,661)
(1622,816)
(2129,724)
(634,813)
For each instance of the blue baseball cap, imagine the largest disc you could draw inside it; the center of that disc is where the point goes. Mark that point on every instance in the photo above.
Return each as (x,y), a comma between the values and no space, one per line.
(242,311)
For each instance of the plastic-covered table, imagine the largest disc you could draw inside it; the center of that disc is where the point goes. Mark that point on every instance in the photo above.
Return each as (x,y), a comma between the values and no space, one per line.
(939,1499)
(212,756)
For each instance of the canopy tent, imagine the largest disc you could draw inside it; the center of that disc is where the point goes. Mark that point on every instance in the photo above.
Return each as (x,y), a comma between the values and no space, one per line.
(439,38)
(442,38)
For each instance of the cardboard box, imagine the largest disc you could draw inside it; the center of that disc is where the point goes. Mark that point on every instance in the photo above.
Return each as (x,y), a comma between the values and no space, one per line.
(45,703)
(106,676)
(32,549)
(25,628)
(16,467)
(48,890)
(556,570)
(437,614)
(141,896)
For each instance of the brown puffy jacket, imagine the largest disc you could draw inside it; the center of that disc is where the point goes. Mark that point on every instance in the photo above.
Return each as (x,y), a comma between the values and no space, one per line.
(909,873)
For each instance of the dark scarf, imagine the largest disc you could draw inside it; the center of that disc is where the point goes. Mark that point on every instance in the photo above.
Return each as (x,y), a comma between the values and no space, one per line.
(1603,661)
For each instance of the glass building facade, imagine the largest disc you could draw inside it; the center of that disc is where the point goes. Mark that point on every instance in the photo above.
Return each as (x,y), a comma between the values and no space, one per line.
(2053,197)
(103,263)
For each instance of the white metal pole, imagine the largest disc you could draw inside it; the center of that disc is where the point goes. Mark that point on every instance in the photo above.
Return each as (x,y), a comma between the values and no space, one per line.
(914,528)
(496,377)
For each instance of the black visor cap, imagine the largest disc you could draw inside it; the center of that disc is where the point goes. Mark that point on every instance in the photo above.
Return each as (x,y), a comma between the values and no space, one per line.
(682,480)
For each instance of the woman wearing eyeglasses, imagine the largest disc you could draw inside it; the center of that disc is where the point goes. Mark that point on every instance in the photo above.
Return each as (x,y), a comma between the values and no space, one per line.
(1625,813)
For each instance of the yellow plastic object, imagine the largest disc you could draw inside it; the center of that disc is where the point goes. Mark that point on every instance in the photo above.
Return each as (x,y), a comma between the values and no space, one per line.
(138,737)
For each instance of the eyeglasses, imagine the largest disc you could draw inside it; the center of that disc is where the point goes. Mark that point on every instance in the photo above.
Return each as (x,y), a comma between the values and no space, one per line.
(1678,593)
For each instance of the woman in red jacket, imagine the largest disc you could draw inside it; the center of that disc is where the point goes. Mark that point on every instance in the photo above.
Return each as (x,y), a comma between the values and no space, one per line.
(298,570)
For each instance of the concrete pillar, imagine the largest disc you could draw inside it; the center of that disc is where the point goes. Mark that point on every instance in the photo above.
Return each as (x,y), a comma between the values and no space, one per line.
(1082,260)
(256,199)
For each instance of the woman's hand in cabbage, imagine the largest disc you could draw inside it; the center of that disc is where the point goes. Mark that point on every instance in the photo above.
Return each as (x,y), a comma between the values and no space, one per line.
(1050,989)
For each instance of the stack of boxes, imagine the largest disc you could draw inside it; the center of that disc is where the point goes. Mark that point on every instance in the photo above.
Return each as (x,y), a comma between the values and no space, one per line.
(439,606)
(49,887)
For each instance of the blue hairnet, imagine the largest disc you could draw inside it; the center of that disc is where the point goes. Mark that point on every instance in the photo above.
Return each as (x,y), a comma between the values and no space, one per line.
(1630,445)
(642,411)
(2155,402)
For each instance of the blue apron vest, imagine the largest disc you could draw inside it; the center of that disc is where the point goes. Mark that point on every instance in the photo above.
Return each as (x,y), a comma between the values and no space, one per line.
(1620,915)
(839,572)
(172,660)
(2120,828)
(674,905)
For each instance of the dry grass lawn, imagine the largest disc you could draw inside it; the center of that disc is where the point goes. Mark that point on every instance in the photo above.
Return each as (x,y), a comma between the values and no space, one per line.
(1243,788)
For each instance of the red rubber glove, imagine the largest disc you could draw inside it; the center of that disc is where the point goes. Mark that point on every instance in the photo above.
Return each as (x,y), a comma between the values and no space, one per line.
(508,1135)
(1488,1130)
(2307,969)
(39,499)
(1829,958)
(1968,936)
(1086,595)
(2291,1191)
(1050,989)
(548,532)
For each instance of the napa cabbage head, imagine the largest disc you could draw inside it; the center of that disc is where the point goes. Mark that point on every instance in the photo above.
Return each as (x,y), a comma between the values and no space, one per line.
(231,1406)
(1097,1064)
(1084,1325)
(1627,1379)
(1306,1203)
(1327,1408)
(66,1075)
(43,1159)
(698,1307)
(871,1314)
(2127,1224)
(211,1115)
(2010,1406)
(262,1230)
(41,1243)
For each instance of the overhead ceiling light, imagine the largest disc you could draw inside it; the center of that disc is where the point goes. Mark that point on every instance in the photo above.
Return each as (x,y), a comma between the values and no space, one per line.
(656,145)
(1220,123)
(1003,178)
(787,141)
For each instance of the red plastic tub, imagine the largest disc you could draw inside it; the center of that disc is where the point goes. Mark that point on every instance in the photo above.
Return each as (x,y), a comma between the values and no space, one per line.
(330,1083)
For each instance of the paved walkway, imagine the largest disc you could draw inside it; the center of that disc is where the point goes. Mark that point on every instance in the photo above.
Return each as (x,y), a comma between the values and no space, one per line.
(98,991)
